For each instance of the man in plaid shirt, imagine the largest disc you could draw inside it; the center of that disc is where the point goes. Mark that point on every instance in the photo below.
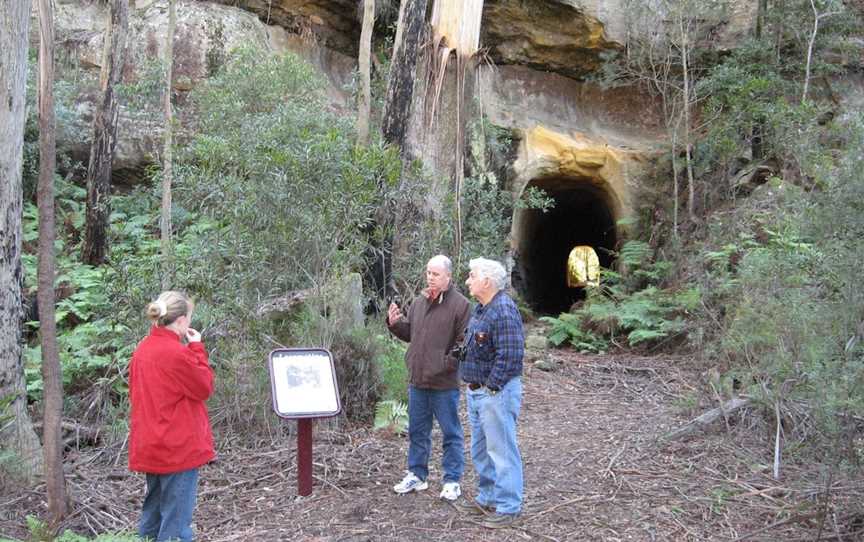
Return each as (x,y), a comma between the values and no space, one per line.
(492,370)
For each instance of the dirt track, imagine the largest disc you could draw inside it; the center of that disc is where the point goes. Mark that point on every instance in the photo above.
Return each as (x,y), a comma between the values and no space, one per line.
(594,470)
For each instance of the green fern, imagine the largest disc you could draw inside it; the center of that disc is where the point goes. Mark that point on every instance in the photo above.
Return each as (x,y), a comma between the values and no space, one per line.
(567,328)
(634,253)
(632,305)
(392,415)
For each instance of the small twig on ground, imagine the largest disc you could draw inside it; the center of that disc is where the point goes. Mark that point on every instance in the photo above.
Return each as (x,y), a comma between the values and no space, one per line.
(793,519)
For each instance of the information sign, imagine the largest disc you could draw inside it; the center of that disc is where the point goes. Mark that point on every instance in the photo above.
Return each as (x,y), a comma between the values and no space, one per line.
(304,383)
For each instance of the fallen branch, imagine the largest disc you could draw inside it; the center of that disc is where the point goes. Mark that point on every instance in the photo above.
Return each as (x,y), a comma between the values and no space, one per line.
(709,417)
(283,304)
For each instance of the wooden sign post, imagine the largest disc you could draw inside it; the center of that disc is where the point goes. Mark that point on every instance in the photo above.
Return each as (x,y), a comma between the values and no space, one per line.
(303,381)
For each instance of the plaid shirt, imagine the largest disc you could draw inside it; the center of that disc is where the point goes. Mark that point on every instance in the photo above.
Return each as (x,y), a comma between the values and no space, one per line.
(494,343)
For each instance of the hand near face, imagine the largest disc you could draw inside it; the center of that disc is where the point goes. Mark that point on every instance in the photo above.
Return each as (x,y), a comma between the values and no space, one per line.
(393,313)
(193,336)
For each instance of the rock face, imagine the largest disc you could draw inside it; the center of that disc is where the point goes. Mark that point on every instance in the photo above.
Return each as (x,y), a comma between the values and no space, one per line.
(563,36)
(333,23)
(543,50)
(206,33)
(204,36)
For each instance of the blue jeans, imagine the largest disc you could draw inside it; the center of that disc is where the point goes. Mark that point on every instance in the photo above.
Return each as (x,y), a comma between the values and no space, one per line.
(168,506)
(494,449)
(443,405)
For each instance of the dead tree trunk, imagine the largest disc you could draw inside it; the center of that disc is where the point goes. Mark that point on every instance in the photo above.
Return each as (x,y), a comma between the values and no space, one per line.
(707,418)
(167,157)
(16,430)
(403,72)
(105,137)
(397,114)
(52,400)
(364,105)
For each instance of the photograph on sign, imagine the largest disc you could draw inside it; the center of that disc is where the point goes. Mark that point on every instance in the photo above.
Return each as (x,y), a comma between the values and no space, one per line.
(304,383)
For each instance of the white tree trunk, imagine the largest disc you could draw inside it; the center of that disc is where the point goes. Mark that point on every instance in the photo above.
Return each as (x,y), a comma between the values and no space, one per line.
(167,157)
(686,104)
(364,105)
(16,431)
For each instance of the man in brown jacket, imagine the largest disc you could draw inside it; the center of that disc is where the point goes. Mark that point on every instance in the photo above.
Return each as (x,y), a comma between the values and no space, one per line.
(435,323)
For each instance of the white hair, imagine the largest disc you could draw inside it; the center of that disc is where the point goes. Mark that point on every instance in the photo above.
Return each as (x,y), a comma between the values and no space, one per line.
(494,271)
(441,261)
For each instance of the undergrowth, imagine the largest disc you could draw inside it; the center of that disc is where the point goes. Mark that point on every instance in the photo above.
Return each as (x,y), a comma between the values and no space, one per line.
(630,308)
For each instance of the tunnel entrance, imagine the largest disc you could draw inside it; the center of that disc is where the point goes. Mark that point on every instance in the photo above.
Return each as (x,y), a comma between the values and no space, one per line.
(584,214)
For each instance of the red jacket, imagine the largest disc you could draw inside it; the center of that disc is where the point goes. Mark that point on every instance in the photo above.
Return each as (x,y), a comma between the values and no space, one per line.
(169,383)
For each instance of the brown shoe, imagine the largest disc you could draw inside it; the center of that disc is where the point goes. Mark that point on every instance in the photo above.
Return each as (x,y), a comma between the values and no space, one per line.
(499,521)
(470,507)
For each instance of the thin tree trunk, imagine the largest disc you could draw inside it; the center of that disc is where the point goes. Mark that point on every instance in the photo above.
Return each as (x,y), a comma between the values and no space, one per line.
(16,430)
(363,107)
(52,394)
(95,247)
(167,158)
(403,72)
(688,145)
(758,131)
(810,45)
(675,190)
(761,12)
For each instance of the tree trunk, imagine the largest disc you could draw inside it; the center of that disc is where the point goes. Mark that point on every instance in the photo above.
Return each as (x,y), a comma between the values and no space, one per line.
(758,132)
(688,145)
(403,68)
(16,431)
(761,12)
(167,158)
(397,114)
(365,100)
(675,190)
(105,137)
(52,400)
(810,44)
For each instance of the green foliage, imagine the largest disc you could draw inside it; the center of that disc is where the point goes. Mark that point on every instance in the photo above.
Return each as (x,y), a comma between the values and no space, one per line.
(91,342)
(391,415)
(628,305)
(567,328)
(391,364)
(487,206)
(278,176)
(788,309)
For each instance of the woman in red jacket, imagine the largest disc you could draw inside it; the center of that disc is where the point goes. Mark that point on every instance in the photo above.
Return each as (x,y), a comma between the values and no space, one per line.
(169,436)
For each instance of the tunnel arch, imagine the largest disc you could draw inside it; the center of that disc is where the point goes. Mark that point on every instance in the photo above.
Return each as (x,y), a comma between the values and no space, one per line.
(585,213)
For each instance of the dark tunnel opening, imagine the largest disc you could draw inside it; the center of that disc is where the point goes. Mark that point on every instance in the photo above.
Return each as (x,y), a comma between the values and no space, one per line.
(583,214)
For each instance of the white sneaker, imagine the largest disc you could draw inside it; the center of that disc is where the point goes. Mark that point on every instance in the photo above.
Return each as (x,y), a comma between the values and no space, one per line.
(451,491)
(410,483)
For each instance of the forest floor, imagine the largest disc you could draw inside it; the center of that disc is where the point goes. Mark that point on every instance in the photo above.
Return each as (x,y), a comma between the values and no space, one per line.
(595,469)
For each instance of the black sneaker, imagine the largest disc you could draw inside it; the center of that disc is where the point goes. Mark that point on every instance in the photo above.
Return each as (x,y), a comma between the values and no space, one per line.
(470,507)
(499,521)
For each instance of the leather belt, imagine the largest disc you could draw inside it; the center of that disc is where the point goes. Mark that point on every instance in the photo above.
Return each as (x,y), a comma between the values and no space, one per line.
(474,386)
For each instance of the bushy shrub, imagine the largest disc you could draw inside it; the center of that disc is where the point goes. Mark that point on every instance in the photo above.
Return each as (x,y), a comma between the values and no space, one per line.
(391,364)
(782,311)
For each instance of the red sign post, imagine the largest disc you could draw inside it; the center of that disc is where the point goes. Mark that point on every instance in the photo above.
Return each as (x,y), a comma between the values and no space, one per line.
(303,381)
(304,456)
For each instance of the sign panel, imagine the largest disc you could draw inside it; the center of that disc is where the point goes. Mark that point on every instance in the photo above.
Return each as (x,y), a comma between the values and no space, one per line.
(304,384)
